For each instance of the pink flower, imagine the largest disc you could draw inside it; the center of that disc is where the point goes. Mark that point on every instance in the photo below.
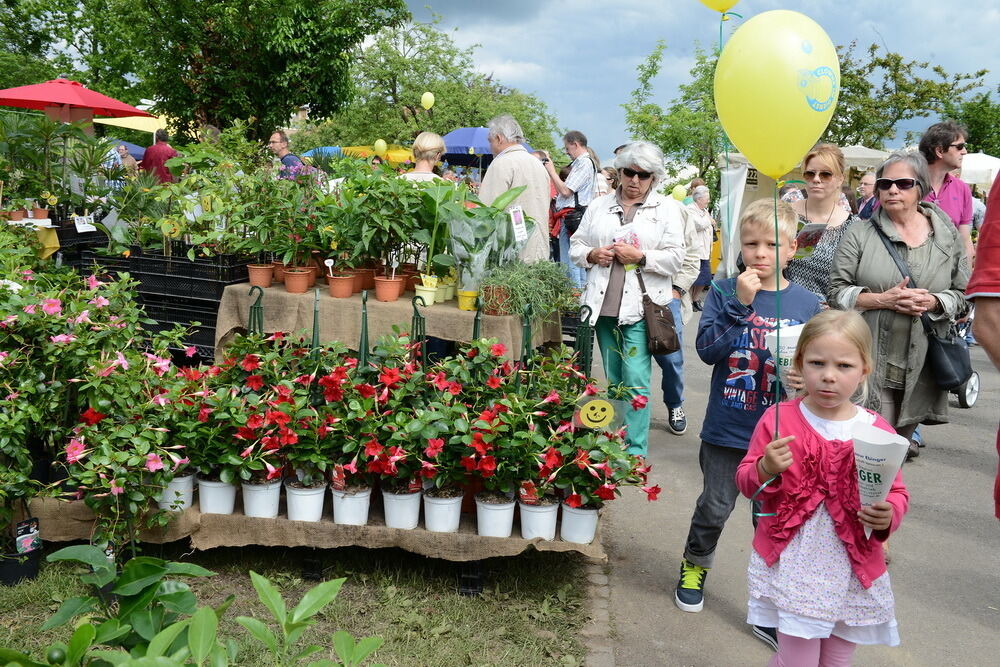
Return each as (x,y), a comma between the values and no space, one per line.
(7,321)
(246,452)
(272,472)
(652,492)
(103,373)
(179,462)
(160,400)
(498,349)
(52,307)
(190,351)
(30,308)
(153,462)
(93,282)
(160,366)
(553,397)
(81,318)
(639,402)
(99,301)
(3,357)
(28,274)
(62,338)
(115,489)
(121,361)
(590,390)
(74,450)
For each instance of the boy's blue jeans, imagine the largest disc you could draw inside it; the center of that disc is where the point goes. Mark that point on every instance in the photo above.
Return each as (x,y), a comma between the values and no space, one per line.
(716,502)
(672,364)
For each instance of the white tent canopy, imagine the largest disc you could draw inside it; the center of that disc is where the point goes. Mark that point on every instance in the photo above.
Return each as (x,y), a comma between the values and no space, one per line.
(980,169)
(858,157)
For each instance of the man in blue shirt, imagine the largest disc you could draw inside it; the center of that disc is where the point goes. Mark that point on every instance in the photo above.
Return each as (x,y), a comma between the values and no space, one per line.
(278,144)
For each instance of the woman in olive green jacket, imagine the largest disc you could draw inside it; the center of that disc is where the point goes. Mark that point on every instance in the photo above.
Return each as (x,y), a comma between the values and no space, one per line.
(865,277)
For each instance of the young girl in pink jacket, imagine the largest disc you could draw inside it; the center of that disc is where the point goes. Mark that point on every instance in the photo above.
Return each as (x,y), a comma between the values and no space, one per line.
(813,574)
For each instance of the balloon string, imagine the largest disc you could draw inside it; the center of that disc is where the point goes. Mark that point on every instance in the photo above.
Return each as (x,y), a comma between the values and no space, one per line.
(727,230)
(777,312)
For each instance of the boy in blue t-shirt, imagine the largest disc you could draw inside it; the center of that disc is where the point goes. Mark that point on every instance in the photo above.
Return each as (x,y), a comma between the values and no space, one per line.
(738,313)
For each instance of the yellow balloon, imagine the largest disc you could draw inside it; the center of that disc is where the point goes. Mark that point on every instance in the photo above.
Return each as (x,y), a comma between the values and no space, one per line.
(427,100)
(380,147)
(719,5)
(679,192)
(776,88)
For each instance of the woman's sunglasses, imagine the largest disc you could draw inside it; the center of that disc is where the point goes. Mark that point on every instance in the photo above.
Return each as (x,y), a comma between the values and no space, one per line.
(901,183)
(630,173)
(825,176)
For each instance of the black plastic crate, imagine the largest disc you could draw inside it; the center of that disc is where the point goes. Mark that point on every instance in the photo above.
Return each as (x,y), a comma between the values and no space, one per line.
(111,264)
(174,310)
(69,237)
(227,268)
(185,287)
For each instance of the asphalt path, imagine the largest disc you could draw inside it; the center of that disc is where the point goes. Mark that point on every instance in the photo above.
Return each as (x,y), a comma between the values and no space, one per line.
(945,567)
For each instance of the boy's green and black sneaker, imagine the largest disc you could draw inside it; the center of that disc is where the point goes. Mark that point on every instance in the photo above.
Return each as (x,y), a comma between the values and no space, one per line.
(690,593)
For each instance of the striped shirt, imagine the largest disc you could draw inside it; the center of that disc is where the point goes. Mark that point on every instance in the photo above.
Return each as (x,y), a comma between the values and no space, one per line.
(580,181)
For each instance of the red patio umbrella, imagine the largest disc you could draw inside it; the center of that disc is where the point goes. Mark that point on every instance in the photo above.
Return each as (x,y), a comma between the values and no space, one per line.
(66,94)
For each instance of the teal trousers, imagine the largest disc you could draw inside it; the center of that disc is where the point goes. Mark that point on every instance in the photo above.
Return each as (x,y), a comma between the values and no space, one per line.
(627,363)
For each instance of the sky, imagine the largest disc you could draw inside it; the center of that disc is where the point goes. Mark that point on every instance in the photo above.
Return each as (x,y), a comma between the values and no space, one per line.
(580,56)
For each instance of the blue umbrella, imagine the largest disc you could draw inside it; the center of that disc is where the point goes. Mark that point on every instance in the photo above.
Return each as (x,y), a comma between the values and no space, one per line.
(135,151)
(469,146)
(329,151)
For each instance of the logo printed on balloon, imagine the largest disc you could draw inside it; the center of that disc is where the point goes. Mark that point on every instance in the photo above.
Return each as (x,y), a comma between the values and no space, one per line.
(817,83)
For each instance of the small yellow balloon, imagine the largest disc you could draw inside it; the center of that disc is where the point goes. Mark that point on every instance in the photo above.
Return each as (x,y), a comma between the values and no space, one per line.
(427,100)
(776,88)
(380,147)
(719,5)
(679,192)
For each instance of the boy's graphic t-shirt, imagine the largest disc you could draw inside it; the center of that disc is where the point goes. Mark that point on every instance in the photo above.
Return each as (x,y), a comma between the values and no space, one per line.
(731,337)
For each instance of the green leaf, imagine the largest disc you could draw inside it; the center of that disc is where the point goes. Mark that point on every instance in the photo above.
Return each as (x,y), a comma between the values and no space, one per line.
(366,647)
(317,598)
(343,646)
(79,643)
(161,643)
(260,632)
(110,630)
(69,609)
(444,260)
(137,574)
(188,569)
(83,553)
(11,657)
(130,603)
(201,634)
(269,596)
(504,200)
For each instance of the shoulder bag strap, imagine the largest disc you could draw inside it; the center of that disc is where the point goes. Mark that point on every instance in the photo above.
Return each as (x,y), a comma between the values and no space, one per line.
(902,266)
(642,285)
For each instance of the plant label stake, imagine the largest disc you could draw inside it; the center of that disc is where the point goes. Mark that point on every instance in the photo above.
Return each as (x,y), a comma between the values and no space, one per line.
(517,222)
(329,267)
(393,262)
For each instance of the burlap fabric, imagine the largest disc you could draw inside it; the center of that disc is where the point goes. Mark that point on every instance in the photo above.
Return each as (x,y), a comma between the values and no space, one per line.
(340,319)
(61,521)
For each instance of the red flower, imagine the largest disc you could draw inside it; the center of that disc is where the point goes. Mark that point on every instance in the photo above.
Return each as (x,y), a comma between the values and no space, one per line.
(553,459)
(203,413)
(473,352)
(440,381)
(493,382)
(590,390)
(487,466)
(639,402)
(469,463)
(498,349)
(574,500)
(272,472)
(255,421)
(255,382)
(486,416)
(454,388)
(288,436)
(434,447)
(582,459)
(373,448)
(91,416)
(652,492)
(277,417)
(605,492)
(390,377)
(245,433)
(271,443)
(191,373)
(250,363)
(428,470)
(366,390)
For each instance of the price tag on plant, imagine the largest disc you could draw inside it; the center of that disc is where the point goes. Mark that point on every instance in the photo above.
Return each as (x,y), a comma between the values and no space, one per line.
(84,223)
(415,485)
(528,493)
(338,480)
(517,222)
(27,537)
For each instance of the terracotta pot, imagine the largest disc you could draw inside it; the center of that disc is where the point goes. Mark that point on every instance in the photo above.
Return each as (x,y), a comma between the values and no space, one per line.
(341,286)
(279,272)
(261,275)
(297,280)
(388,289)
(359,282)
(494,299)
(15,215)
(39,213)
(367,278)
(408,267)
(409,279)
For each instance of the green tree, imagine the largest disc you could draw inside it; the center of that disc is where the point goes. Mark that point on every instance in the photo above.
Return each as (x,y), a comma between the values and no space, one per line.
(19,69)
(981,117)
(688,130)
(391,74)
(879,90)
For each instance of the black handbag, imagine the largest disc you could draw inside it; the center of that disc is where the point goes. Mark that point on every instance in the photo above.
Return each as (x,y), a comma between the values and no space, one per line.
(948,357)
(661,335)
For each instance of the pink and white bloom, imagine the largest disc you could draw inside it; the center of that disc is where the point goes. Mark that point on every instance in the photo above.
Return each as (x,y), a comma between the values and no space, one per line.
(30,308)
(160,365)
(115,489)
(52,307)
(7,321)
(160,400)
(74,450)
(120,360)
(153,462)
(190,351)
(82,318)
(62,338)
(99,301)
(93,282)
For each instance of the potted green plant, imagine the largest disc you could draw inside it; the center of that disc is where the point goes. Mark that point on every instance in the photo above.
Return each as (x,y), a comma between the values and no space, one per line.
(508,289)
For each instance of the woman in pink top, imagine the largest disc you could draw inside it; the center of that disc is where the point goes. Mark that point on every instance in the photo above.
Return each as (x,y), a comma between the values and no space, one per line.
(813,573)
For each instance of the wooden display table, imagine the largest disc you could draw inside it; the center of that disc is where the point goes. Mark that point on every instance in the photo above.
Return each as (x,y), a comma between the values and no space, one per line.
(340,319)
(62,521)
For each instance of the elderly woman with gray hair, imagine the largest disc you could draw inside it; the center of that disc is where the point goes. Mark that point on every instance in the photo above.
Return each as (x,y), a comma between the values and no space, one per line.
(866,278)
(634,229)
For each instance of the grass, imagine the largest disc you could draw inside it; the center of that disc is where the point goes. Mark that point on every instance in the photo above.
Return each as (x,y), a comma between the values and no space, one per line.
(530,613)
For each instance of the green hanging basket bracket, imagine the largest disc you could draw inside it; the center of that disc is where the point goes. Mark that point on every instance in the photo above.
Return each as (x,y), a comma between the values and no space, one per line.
(585,340)
(363,342)
(477,321)
(526,336)
(314,354)
(418,331)
(256,323)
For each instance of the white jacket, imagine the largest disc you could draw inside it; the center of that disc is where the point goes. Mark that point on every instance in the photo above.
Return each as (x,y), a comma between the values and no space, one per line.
(660,228)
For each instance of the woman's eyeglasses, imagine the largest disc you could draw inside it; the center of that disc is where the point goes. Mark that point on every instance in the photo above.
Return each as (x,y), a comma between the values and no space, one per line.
(825,176)
(631,173)
(901,183)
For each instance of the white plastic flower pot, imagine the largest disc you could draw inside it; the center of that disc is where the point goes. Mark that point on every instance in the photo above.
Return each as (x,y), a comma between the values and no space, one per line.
(442,515)
(178,494)
(494,520)
(305,504)
(402,510)
(538,521)
(216,497)
(351,509)
(578,524)
(261,500)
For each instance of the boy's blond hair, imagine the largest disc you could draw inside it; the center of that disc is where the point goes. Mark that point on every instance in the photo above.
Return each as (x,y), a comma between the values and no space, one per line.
(761,214)
(847,323)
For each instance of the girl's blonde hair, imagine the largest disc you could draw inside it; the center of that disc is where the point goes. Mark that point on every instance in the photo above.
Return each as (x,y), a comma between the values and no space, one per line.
(428,146)
(761,214)
(850,325)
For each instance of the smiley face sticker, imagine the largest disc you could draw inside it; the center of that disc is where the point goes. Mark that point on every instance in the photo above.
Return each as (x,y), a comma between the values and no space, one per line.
(598,413)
